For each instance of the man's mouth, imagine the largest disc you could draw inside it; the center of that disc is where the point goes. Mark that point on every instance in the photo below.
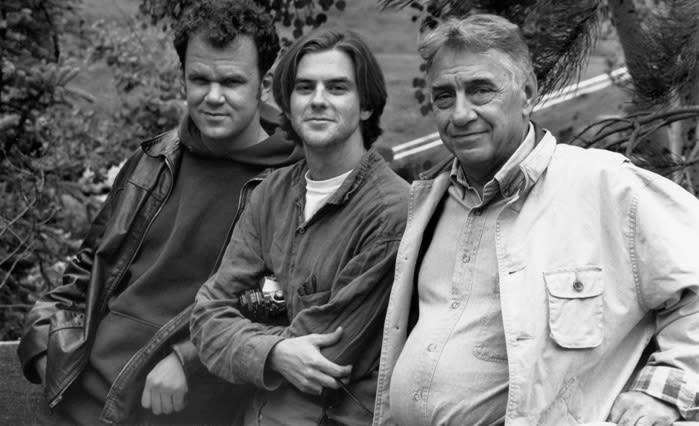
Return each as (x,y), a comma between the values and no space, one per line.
(457,135)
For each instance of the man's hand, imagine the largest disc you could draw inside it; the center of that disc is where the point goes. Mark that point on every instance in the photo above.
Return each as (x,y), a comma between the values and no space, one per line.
(41,368)
(300,362)
(166,387)
(638,409)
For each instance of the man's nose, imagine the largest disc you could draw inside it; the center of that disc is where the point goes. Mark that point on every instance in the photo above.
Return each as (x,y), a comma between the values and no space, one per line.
(215,94)
(318,97)
(463,112)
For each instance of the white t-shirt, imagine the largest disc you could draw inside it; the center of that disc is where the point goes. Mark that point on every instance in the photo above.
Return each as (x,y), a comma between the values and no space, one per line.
(318,192)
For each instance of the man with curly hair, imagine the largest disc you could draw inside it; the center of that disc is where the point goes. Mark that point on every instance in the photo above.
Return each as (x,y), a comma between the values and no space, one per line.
(112,344)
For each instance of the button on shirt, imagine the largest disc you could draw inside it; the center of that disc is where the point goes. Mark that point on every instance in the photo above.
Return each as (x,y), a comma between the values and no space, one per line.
(453,368)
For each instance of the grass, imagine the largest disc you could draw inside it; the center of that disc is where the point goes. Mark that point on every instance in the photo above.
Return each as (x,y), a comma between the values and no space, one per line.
(392,36)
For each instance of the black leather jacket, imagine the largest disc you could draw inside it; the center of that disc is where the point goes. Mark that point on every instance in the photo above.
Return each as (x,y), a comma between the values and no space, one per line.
(63,322)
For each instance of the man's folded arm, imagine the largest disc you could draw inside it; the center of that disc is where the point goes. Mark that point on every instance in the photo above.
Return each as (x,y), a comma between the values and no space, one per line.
(665,221)
(357,304)
(230,345)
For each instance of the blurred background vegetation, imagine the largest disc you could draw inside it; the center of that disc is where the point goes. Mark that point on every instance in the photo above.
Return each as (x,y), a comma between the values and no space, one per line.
(84,81)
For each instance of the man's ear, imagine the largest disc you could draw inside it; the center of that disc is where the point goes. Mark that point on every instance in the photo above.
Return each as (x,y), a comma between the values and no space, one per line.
(266,88)
(530,94)
(365,114)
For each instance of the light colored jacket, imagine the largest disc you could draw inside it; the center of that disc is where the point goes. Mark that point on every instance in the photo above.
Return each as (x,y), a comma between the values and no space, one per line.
(595,257)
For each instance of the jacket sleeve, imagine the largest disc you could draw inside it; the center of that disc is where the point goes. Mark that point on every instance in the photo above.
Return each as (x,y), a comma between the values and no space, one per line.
(357,303)
(664,229)
(230,345)
(71,294)
(237,349)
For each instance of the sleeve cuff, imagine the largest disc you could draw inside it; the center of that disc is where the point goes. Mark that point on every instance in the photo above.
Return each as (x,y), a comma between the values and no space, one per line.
(672,385)
(252,368)
(188,355)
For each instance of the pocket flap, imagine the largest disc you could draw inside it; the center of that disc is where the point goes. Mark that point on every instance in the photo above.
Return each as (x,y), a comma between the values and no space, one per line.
(575,283)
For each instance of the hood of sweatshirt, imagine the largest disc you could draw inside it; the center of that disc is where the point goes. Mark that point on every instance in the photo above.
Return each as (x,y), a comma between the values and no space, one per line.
(275,151)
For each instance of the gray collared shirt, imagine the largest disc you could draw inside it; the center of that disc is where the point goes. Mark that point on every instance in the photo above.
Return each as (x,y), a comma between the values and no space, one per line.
(453,368)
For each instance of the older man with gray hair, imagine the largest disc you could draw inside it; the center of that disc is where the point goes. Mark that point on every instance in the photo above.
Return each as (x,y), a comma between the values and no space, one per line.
(532,275)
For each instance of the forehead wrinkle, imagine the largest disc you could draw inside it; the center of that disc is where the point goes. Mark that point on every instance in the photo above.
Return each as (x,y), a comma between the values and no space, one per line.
(502,61)
(456,78)
(223,71)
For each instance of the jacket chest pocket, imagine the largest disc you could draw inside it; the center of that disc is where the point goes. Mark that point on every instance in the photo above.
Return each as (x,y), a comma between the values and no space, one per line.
(576,307)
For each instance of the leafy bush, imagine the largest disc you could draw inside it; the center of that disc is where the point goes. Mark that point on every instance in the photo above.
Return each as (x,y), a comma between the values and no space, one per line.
(56,145)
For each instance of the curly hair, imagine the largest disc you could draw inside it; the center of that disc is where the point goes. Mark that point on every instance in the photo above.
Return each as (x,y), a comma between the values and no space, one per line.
(221,21)
(370,80)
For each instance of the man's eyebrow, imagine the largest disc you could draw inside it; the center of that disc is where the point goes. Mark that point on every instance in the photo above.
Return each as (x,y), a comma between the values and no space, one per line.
(339,80)
(197,72)
(330,80)
(478,81)
(482,81)
(442,87)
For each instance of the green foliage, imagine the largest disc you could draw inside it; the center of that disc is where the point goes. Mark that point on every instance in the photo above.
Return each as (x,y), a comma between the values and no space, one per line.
(56,146)
(146,75)
(297,15)
(33,168)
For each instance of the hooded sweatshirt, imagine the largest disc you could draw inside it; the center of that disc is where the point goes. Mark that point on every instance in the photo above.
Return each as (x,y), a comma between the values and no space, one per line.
(178,253)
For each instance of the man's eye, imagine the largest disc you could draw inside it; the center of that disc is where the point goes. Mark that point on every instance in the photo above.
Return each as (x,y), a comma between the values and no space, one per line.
(198,80)
(481,94)
(303,88)
(231,82)
(337,89)
(443,100)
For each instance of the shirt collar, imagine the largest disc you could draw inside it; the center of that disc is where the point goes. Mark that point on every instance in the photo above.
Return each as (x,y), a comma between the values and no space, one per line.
(508,178)
(356,178)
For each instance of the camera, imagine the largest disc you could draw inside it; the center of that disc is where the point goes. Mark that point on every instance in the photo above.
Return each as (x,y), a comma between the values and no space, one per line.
(263,306)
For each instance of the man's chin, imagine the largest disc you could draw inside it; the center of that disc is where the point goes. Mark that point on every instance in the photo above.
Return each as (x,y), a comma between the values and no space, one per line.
(217,135)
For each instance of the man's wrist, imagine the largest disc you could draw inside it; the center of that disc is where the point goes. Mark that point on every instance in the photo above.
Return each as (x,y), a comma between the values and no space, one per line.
(272,363)
(272,376)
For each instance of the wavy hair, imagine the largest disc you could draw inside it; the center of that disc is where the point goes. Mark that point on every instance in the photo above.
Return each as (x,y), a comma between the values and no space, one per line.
(478,33)
(368,74)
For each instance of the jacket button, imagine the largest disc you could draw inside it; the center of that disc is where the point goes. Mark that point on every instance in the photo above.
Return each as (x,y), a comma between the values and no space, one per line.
(431,347)
(301,230)
(578,286)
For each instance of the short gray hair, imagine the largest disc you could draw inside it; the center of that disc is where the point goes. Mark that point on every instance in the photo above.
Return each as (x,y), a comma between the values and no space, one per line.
(478,33)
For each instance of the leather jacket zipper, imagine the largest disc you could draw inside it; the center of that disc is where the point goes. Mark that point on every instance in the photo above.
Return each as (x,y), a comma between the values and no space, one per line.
(140,242)
(55,401)
(241,204)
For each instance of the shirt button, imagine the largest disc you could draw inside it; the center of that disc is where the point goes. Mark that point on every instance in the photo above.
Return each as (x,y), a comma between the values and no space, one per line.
(416,396)
(301,230)
(454,305)
(431,347)
(578,286)
(476,212)
(466,258)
